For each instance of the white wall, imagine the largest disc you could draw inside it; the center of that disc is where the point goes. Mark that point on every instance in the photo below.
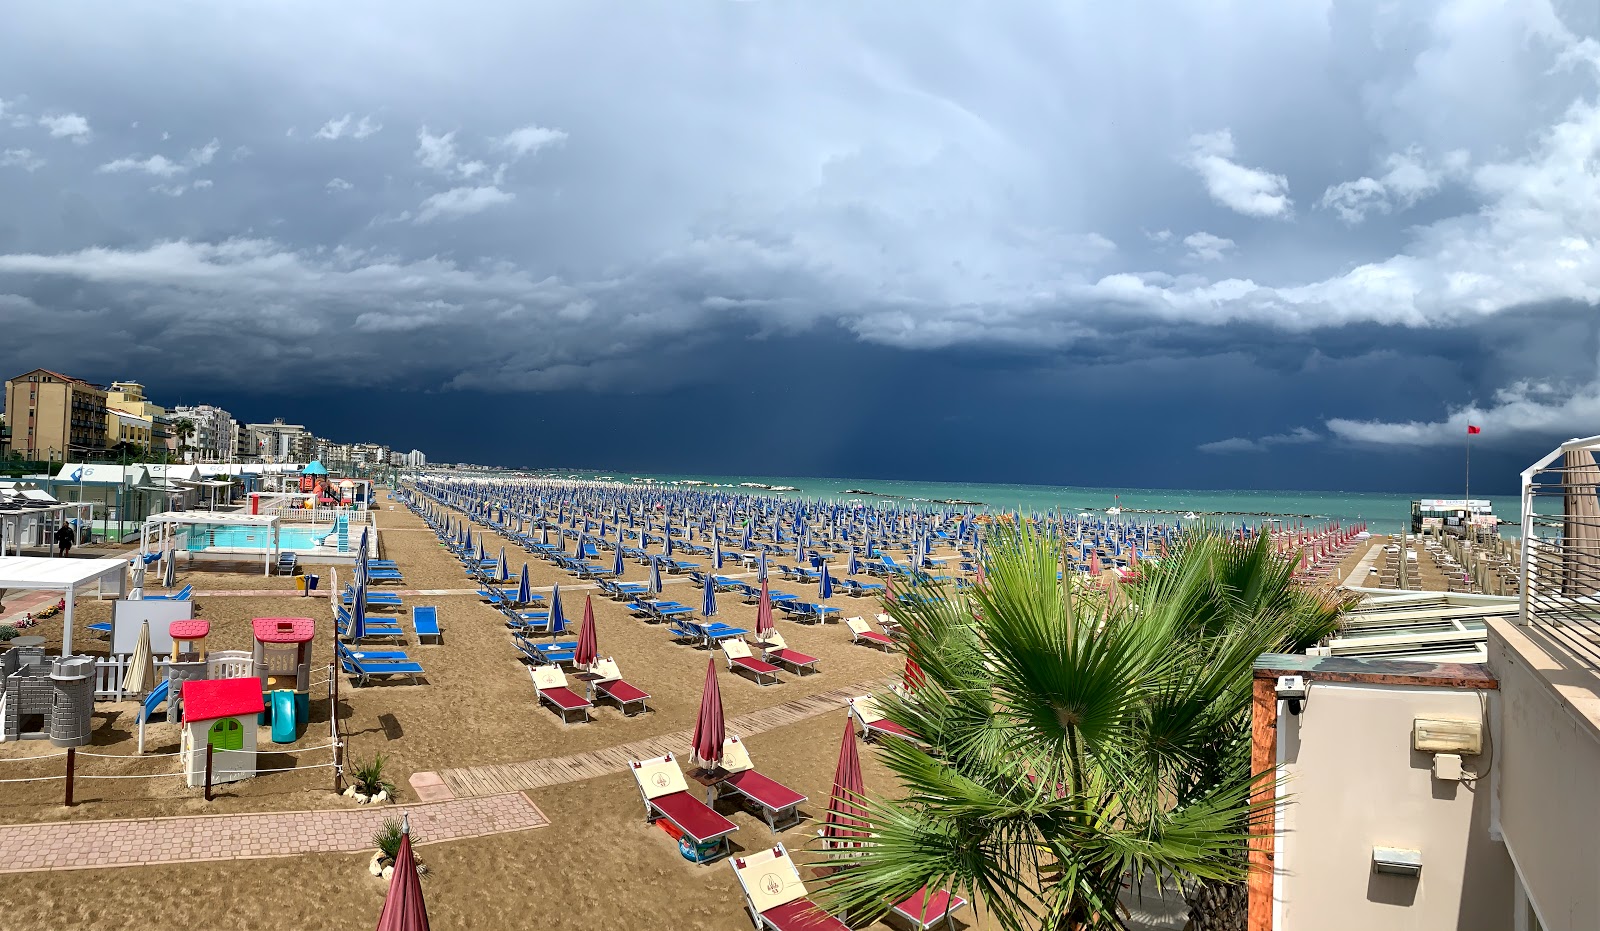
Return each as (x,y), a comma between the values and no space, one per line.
(1353,782)
(1547,773)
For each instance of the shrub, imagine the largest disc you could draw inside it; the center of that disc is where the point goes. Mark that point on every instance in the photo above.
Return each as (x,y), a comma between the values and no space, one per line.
(368,777)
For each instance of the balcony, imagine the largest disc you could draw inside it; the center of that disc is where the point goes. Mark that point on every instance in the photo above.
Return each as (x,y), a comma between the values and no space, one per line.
(1561,548)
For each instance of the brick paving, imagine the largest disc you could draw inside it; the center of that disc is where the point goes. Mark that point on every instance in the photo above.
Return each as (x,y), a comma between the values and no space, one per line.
(84,845)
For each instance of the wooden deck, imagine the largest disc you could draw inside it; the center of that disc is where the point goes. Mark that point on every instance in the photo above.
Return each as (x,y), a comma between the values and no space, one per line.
(513,777)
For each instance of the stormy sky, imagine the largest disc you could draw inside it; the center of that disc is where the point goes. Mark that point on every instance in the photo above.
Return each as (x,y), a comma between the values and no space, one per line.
(1259,244)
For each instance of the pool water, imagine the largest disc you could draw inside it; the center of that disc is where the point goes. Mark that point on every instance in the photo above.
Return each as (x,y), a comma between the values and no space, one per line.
(256,538)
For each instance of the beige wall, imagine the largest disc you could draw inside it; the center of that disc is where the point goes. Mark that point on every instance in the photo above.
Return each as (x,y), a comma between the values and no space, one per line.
(1547,774)
(1352,783)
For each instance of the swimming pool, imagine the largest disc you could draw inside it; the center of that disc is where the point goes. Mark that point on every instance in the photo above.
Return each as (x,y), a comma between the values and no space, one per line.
(255,538)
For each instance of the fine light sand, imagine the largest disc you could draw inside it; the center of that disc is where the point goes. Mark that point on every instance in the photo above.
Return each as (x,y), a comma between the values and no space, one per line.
(597,863)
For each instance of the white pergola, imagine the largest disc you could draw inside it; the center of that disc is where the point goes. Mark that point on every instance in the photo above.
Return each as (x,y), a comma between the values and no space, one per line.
(68,576)
(154,535)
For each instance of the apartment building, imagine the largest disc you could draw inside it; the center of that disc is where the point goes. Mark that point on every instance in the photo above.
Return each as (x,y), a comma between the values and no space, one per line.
(55,416)
(215,437)
(129,398)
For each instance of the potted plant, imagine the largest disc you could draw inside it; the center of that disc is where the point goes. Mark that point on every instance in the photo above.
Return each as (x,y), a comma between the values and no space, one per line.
(367,783)
(387,840)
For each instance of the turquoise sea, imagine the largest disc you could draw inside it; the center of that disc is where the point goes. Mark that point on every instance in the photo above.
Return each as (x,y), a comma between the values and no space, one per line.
(1383,513)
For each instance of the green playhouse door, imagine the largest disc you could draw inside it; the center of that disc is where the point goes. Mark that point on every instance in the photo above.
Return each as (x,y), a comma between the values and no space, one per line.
(226,734)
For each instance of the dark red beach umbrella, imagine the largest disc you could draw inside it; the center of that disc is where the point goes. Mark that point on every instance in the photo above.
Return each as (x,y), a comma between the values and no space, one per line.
(914,677)
(846,817)
(403,908)
(764,623)
(588,650)
(708,727)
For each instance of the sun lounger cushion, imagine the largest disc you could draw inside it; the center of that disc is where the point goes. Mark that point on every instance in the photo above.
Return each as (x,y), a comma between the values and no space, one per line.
(923,910)
(621,691)
(693,816)
(765,792)
(802,915)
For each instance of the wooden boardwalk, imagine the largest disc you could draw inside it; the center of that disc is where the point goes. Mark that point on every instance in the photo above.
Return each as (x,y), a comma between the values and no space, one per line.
(500,778)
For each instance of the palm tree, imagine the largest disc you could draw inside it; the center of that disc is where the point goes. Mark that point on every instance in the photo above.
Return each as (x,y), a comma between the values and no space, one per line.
(1071,741)
(183,428)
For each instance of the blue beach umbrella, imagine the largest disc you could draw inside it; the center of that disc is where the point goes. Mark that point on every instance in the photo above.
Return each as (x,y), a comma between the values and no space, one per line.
(708,607)
(481,554)
(524,590)
(655,577)
(666,538)
(718,557)
(761,566)
(558,620)
(358,612)
(825,585)
(746,542)
(616,564)
(854,566)
(505,570)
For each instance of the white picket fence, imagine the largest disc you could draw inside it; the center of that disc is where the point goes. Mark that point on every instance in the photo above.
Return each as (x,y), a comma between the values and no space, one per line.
(111,671)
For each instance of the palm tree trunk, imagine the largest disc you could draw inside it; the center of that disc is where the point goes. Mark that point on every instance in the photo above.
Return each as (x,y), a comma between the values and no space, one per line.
(1216,905)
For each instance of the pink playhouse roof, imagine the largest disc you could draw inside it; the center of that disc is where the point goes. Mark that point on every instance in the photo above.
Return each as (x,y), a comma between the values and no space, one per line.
(208,699)
(284,629)
(194,629)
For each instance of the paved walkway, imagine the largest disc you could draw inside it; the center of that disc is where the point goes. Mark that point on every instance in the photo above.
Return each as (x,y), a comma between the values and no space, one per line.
(533,774)
(85,845)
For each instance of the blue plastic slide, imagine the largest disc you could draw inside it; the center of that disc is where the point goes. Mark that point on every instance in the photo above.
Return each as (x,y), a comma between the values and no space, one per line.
(283,716)
(156,697)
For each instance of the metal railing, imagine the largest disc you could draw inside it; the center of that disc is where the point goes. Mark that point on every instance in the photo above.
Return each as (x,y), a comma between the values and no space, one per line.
(1561,547)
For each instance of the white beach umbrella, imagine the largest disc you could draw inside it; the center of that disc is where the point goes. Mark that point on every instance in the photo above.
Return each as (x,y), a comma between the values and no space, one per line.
(141,667)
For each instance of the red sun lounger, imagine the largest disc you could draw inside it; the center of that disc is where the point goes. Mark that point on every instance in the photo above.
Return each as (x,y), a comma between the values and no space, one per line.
(775,895)
(924,910)
(775,650)
(778,804)
(666,795)
(873,723)
(862,634)
(552,685)
(611,687)
(740,660)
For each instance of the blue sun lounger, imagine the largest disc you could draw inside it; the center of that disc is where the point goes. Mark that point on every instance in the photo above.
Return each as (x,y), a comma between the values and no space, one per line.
(183,594)
(425,621)
(372,627)
(560,653)
(364,667)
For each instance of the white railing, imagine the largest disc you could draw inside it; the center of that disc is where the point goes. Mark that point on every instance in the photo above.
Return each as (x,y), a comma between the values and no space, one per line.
(1560,562)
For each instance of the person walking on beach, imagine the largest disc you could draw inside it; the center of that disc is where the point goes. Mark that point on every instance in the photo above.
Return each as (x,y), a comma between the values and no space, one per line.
(65,537)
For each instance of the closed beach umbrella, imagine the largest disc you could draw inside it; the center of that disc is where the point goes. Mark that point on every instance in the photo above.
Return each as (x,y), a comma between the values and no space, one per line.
(717,560)
(142,666)
(709,731)
(333,585)
(169,572)
(764,623)
(761,565)
(588,648)
(505,570)
(524,589)
(666,540)
(358,612)
(913,678)
(403,908)
(616,564)
(855,565)
(558,620)
(846,817)
(708,604)
(481,554)
(825,584)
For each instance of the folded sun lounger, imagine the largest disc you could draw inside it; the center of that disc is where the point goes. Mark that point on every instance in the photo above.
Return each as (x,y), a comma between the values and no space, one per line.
(551,683)
(666,795)
(740,660)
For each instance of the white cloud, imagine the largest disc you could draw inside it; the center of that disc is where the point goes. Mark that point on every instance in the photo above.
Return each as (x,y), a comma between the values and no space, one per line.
(21,158)
(1239,444)
(1408,178)
(204,155)
(1159,237)
(157,165)
(201,184)
(436,152)
(530,139)
(339,184)
(66,126)
(461,201)
(1251,191)
(1204,247)
(1522,410)
(335,128)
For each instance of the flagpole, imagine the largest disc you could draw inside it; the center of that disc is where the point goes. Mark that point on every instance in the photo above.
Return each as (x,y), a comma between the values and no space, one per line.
(1469,476)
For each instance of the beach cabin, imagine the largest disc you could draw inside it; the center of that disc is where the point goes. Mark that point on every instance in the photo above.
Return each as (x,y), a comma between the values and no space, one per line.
(221,713)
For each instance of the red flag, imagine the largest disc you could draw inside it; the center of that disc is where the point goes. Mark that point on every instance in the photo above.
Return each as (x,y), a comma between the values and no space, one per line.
(1472,430)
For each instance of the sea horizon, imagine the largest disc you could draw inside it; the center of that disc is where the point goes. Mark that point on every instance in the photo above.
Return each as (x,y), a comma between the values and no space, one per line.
(1384,512)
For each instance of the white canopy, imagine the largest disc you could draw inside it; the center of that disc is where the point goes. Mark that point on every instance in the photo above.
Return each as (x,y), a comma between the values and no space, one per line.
(42,573)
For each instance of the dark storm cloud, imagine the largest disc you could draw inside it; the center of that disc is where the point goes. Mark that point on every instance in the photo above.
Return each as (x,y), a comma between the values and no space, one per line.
(557,198)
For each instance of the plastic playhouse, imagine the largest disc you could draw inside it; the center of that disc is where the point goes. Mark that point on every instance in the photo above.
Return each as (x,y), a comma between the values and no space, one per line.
(46,697)
(221,713)
(283,660)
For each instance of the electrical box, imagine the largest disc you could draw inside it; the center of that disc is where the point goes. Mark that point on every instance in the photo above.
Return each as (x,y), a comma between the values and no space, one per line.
(1447,767)
(1397,861)
(1447,735)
